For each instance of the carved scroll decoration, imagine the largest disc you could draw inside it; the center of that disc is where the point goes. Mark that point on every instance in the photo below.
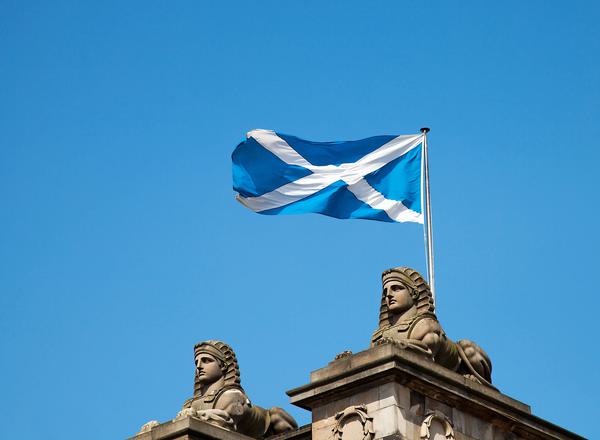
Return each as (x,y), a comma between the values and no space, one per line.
(440,417)
(354,412)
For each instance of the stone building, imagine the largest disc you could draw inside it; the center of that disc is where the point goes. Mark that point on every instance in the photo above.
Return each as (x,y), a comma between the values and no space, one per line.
(389,393)
(413,383)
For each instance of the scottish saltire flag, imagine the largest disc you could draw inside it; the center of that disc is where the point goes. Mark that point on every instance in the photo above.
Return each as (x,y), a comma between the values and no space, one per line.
(378,178)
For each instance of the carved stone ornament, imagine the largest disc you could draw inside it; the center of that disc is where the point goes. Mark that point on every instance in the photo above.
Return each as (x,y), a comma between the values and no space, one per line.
(351,414)
(407,319)
(440,417)
(343,354)
(220,400)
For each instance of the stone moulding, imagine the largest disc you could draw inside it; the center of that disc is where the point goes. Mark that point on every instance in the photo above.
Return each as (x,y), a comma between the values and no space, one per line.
(425,433)
(354,412)
(388,364)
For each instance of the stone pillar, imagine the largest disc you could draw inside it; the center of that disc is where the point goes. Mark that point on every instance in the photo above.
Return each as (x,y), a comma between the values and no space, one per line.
(393,394)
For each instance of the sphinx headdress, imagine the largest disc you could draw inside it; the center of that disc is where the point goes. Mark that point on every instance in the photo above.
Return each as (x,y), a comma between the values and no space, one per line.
(416,284)
(224,354)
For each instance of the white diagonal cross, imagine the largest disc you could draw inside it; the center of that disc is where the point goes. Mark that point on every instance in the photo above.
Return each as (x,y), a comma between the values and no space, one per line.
(323,176)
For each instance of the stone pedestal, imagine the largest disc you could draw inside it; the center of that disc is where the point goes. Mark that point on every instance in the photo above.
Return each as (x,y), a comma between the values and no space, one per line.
(191,428)
(390,393)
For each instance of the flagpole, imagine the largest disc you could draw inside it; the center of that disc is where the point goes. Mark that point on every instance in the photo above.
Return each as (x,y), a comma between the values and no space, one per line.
(428,225)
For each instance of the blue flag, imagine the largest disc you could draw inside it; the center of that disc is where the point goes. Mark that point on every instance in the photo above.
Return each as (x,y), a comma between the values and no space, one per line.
(377,178)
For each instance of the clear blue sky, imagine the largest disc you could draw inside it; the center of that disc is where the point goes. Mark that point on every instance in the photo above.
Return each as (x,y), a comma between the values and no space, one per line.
(121,244)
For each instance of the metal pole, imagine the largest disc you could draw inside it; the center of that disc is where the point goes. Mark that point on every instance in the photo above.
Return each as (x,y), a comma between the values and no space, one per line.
(428,224)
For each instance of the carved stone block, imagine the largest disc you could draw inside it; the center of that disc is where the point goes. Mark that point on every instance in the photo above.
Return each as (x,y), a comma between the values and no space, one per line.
(436,426)
(353,424)
(407,397)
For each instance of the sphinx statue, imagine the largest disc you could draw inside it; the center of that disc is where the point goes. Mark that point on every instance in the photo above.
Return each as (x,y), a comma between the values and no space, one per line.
(407,318)
(220,399)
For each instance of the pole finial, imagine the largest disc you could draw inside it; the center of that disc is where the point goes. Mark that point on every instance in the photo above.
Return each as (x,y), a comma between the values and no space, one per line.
(425,130)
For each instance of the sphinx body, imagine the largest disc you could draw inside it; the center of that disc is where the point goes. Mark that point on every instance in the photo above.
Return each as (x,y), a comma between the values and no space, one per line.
(407,318)
(220,399)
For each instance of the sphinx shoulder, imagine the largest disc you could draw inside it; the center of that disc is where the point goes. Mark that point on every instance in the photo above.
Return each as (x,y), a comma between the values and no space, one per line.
(234,401)
(427,329)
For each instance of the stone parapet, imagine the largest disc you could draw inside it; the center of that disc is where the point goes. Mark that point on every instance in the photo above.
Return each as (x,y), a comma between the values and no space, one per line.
(387,392)
(189,428)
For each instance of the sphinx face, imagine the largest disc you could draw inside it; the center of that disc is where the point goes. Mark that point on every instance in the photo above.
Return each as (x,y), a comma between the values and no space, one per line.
(397,296)
(207,368)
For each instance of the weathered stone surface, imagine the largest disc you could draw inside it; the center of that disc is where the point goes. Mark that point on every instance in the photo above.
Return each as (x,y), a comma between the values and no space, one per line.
(302,433)
(220,400)
(412,384)
(354,423)
(190,428)
(408,396)
(407,318)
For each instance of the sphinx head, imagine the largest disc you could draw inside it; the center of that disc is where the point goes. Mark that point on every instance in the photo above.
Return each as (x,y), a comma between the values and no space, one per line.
(403,289)
(214,361)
